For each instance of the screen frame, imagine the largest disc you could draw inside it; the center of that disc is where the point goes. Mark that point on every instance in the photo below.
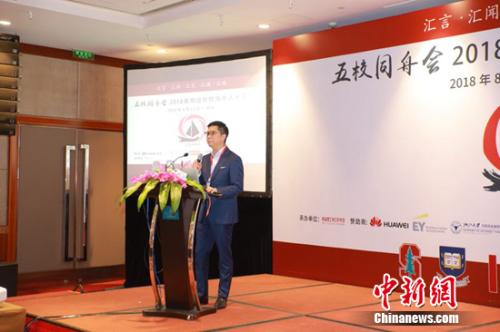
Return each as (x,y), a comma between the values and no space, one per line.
(221,58)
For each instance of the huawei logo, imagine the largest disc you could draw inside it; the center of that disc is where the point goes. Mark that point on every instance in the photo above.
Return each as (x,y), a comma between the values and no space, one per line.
(491,142)
(376,222)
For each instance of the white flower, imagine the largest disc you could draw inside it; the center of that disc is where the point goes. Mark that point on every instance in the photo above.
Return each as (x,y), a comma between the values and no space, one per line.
(179,173)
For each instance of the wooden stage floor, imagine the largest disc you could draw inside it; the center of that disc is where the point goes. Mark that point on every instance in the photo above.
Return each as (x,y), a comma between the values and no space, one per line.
(257,303)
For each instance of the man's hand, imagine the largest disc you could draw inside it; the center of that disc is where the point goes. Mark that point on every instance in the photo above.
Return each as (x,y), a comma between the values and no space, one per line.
(211,190)
(197,165)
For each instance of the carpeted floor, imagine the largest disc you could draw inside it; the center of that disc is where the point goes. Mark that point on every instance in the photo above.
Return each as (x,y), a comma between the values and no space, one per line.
(256,303)
(38,287)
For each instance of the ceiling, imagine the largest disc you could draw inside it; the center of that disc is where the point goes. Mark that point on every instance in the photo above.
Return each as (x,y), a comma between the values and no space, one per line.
(183,29)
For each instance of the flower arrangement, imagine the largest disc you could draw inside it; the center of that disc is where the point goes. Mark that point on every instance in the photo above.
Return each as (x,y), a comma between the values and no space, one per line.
(167,183)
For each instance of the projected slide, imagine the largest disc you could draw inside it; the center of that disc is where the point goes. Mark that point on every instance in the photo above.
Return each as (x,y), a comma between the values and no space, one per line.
(169,108)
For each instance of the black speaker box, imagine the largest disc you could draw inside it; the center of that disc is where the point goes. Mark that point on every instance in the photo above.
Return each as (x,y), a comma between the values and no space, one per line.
(8,278)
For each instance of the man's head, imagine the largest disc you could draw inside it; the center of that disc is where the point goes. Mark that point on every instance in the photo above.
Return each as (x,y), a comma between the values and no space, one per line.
(217,134)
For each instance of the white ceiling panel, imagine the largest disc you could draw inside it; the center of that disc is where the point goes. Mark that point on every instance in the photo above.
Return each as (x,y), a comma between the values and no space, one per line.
(136,7)
(128,29)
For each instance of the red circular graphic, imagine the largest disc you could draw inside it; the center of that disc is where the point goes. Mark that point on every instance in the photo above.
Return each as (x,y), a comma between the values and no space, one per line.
(490,139)
(191,128)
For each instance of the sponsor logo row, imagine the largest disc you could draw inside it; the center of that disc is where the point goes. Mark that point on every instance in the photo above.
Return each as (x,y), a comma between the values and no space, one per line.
(418,225)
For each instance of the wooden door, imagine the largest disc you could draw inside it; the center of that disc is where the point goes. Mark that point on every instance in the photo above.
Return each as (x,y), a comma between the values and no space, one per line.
(106,225)
(74,223)
(42,231)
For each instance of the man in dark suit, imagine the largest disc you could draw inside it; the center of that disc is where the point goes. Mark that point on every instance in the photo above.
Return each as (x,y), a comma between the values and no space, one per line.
(222,176)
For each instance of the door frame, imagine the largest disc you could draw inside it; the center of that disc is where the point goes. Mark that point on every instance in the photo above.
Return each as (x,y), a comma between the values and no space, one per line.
(8,252)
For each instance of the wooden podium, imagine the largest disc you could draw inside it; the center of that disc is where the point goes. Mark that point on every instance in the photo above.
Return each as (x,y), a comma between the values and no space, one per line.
(176,237)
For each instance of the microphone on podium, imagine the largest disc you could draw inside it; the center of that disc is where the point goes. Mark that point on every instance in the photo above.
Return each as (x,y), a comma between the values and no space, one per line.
(172,163)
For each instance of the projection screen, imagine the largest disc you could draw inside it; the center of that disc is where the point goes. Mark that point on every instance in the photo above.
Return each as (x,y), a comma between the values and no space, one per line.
(168,107)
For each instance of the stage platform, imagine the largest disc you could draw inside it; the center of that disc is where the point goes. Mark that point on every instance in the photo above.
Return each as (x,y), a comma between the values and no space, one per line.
(257,303)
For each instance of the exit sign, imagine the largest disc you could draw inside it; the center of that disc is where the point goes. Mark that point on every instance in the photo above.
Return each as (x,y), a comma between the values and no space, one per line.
(84,55)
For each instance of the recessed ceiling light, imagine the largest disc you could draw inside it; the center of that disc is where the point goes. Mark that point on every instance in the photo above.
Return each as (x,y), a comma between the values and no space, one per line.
(161,51)
(264,26)
(6,23)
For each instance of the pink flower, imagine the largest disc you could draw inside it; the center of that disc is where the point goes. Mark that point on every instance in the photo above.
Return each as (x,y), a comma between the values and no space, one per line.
(162,176)
(145,176)
(165,177)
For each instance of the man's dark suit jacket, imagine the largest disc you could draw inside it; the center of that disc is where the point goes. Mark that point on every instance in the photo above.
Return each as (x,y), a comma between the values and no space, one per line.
(228,179)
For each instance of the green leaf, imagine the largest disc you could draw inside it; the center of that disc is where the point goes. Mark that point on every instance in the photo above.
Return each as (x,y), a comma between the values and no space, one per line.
(175,196)
(197,186)
(129,191)
(150,185)
(163,194)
